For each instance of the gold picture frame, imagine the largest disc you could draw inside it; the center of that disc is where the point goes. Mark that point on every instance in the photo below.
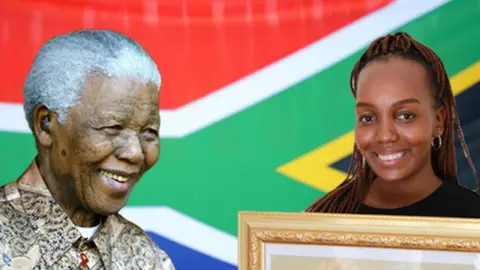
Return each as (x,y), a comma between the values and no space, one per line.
(450,238)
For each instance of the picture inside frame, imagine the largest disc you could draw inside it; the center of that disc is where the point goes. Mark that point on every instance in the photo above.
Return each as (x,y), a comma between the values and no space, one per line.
(320,257)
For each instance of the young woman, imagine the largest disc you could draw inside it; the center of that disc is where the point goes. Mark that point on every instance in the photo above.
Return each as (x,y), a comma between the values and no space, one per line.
(403,159)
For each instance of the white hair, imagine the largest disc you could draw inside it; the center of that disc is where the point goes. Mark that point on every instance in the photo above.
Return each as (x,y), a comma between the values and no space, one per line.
(59,71)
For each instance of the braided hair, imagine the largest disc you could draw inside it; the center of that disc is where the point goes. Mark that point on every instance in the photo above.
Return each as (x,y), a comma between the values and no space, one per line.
(349,195)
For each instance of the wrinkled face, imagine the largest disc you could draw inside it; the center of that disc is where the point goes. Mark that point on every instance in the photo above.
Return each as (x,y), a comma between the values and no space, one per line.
(109,142)
(396,118)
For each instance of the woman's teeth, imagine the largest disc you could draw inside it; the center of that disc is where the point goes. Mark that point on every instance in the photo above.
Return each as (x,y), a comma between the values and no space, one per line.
(390,157)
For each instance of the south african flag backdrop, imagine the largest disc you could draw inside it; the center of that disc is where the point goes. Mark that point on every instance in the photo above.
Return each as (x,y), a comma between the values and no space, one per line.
(256,108)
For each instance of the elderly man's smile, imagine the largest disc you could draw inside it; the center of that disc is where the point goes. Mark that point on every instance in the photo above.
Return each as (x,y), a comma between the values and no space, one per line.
(117,180)
(117,176)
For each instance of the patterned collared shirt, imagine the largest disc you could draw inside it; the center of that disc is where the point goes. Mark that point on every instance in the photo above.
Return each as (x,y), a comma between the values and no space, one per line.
(35,233)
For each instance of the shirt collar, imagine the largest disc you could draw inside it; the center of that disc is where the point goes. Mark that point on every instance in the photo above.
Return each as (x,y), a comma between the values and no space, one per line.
(55,231)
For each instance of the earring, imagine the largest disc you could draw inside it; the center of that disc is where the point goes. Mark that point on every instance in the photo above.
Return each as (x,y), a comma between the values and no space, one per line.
(437,146)
(45,124)
(363,162)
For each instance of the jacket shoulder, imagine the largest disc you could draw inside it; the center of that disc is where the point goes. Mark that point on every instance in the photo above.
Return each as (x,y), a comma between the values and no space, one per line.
(17,234)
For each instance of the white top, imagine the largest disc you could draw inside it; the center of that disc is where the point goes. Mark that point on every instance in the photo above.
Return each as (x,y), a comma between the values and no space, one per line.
(88,232)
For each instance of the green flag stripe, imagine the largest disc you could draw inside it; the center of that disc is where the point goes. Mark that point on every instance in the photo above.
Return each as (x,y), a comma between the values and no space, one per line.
(231,165)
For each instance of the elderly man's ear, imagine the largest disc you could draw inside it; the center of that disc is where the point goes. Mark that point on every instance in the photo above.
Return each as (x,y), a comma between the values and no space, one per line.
(43,125)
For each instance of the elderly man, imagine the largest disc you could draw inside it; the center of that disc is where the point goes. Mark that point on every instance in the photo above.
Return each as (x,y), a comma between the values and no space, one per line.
(91,100)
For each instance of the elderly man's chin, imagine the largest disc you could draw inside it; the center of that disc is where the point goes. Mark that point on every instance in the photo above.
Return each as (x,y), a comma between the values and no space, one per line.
(105,204)
(107,196)
(106,209)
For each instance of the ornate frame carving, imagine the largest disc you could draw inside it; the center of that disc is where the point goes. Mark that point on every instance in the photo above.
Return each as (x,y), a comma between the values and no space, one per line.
(426,233)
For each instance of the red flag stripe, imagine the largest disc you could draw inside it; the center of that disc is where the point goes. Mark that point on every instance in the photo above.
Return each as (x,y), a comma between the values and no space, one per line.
(199,49)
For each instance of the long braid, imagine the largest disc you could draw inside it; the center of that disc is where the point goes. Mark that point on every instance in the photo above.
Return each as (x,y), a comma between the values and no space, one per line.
(348,196)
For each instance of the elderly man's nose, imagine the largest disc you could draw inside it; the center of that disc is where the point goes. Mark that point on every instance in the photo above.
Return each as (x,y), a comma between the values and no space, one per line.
(131,151)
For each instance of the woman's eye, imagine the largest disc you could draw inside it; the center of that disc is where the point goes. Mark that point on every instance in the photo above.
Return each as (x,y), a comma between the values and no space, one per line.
(366,118)
(406,116)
